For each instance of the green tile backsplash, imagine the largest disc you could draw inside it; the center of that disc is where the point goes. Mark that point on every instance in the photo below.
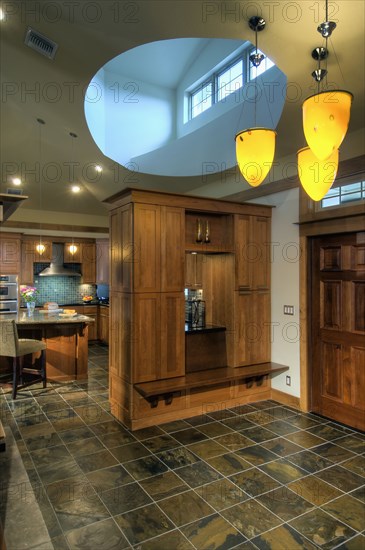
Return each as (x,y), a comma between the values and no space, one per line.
(63,290)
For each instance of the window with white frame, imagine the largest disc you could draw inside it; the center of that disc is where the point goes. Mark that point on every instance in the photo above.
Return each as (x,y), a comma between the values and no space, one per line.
(344,194)
(225,81)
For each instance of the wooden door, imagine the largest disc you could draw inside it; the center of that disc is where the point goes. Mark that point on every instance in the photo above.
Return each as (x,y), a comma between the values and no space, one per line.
(338,327)
(172,248)
(252,328)
(147,248)
(88,263)
(172,335)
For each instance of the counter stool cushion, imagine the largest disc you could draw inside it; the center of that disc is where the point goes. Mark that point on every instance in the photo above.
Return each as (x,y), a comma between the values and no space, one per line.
(17,348)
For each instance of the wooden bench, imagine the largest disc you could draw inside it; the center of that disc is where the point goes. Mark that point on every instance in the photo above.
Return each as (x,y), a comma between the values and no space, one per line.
(167,388)
(2,438)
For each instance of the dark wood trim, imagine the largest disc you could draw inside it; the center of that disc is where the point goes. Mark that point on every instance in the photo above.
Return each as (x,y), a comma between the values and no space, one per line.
(55,227)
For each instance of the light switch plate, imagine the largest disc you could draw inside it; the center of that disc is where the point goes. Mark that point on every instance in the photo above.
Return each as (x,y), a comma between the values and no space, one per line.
(288,310)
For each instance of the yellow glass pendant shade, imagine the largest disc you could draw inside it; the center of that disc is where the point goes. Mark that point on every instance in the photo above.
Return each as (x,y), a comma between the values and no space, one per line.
(255,150)
(316,176)
(326,118)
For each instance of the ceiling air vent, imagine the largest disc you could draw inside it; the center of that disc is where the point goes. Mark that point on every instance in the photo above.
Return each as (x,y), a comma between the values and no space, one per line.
(40,43)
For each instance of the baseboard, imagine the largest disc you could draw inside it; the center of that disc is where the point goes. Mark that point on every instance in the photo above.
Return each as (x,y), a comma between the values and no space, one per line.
(285,398)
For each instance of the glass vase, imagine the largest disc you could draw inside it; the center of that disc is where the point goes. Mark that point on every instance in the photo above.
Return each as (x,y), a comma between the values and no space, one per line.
(30,308)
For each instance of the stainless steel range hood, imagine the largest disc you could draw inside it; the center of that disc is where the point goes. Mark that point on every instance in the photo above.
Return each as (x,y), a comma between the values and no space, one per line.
(56,268)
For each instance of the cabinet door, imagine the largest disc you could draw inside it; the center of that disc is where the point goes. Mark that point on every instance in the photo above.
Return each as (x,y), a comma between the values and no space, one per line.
(146,330)
(252,328)
(243,251)
(88,267)
(260,239)
(103,324)
(27,261)
(42,250)
(72,253)
(9,255)
(102,261)
(172,249)
(172,335)
(147,246)
(121,249)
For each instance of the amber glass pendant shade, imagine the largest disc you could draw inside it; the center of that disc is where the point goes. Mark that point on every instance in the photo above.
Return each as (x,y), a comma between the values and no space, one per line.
(255,150)
(316,176)
(326,118)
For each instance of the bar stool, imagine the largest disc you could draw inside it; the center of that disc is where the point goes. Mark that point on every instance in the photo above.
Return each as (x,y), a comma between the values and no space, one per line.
(17,348)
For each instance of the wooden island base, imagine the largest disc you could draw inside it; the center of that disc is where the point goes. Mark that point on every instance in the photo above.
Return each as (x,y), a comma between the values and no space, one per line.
(67,345)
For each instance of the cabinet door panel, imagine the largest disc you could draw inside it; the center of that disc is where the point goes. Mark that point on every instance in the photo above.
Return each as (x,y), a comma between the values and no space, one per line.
(243,251)
(172,249)
(172,335)
(102,261)
(121,249)
(252,328)
(9,254)
(147,246)
(260,262)
(146,330)
(88,267)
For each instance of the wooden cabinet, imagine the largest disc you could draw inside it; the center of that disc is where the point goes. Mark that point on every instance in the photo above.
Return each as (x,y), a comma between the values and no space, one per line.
(88,264)
(172,250)
(103,324)
(121,248)
(193,270)
(9,253)
(90,311)
(252,237)
(73,252)
(102,261)
(252,327)
(31,252)
(146,248)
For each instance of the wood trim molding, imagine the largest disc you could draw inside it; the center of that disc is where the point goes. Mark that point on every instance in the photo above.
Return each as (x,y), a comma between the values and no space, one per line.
(55,227)
(286,399)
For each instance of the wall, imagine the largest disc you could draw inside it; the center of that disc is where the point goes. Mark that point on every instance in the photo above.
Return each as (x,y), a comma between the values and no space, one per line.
(285,256)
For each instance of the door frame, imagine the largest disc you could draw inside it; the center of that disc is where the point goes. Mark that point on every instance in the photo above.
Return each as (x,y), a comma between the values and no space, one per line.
(347,224)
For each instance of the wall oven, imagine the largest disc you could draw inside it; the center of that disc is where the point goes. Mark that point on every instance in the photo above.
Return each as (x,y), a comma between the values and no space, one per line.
(8,294)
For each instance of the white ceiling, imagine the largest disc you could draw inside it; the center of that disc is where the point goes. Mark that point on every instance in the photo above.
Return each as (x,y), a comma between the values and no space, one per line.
(88,39)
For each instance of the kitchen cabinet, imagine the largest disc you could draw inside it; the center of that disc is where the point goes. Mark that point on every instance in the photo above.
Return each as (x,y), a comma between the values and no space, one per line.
(72,253)
(9,253)
(103,324)
(102,261)
(194,270)
(252,322)
(30,255)
(88,264)
(90,311)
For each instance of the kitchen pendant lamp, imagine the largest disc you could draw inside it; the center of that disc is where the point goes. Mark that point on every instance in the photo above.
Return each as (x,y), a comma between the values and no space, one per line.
(326,114)
(326,117)
(316,176)
(255,147)
(255,150)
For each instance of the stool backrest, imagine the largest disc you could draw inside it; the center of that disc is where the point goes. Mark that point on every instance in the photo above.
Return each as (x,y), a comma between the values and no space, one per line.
(8,339)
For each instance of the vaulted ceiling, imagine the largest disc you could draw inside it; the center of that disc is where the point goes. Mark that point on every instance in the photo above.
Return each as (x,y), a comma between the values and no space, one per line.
(89,34)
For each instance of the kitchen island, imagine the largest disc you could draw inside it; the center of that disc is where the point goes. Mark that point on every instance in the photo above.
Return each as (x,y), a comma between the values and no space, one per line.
(66,338)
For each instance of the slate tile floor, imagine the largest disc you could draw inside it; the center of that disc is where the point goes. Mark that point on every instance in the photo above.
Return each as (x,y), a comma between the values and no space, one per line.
(258,476)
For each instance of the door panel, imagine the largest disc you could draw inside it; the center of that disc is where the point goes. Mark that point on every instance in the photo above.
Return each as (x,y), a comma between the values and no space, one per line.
(338,327)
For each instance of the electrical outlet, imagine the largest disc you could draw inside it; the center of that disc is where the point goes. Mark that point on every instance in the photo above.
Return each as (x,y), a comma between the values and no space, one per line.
(288,310)
(288,380)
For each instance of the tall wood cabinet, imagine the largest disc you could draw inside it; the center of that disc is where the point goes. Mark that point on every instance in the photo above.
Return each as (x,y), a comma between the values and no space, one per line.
(9,253)
(152,237)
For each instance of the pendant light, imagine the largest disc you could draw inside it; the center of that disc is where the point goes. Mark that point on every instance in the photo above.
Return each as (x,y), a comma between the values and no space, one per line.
(40,248)
(316,176)
(255,147)
(326,114)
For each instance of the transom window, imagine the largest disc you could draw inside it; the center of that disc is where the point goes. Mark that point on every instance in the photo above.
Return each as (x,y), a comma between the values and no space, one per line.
(344,194)
(220,84)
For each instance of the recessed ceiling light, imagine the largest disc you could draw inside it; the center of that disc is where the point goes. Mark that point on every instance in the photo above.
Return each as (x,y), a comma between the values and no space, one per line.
(17,181)
(98,168)
(76,189)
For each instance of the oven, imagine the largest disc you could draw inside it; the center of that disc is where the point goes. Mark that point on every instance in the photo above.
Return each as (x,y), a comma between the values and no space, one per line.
(8,294)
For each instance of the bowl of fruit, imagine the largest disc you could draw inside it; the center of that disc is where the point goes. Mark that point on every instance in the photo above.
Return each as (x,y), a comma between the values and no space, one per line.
(87,299)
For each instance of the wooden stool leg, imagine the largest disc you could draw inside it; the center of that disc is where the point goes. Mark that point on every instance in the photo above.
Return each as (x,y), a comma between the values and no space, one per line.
(16,368)
(44,368)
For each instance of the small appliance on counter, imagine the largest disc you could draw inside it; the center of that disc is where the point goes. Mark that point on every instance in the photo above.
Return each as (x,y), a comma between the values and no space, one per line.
(194,308)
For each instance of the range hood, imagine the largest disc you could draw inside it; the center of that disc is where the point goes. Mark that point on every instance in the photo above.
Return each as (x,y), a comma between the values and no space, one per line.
(56,268)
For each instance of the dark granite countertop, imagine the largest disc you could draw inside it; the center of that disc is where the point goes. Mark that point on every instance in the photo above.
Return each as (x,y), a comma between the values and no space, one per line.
(190,329)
